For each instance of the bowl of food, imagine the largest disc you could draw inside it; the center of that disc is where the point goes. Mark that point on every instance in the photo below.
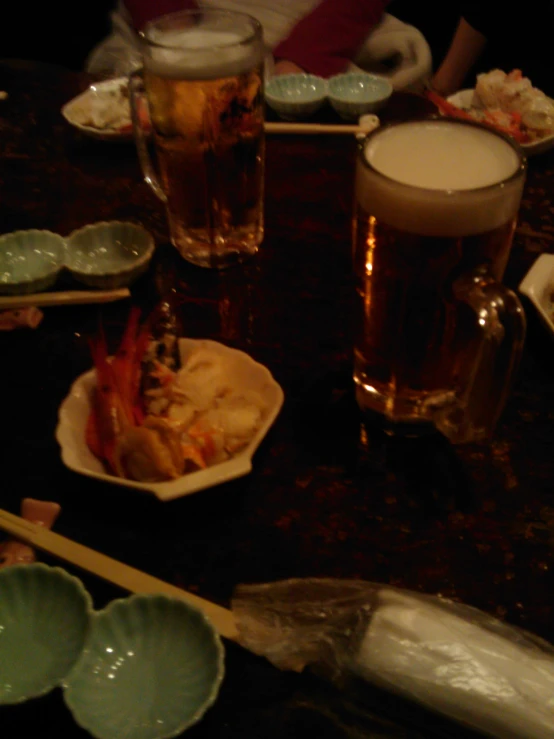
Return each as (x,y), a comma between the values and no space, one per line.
(296,96)
(189,413)
(109,254)
(354,94)
(45,615)
(509,103)
(151,667)
(30,261)
(102,111)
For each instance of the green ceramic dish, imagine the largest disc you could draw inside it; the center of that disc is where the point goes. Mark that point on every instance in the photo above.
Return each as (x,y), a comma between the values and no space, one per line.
(44,620)
(109,254)
(353,94)
(295,96)
(30,261)
(151,667)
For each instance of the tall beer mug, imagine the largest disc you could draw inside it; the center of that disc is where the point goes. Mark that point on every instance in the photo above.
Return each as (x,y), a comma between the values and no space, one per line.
(202,78)
(437,336)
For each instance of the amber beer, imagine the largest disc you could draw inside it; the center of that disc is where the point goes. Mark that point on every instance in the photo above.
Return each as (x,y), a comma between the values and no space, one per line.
(436,207)
(204,89)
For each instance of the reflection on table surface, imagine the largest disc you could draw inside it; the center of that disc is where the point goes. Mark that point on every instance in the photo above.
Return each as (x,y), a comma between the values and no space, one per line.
(328,496)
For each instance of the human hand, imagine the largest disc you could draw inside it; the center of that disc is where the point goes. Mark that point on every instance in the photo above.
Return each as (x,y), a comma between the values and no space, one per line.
(283,66)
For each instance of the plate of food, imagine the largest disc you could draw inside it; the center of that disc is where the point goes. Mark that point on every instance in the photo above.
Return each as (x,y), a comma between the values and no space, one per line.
(508,102)
(166,415)
(538,286)
(103,111)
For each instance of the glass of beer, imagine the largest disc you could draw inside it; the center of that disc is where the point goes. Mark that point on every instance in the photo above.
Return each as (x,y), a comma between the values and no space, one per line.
(202,80)
(437,336)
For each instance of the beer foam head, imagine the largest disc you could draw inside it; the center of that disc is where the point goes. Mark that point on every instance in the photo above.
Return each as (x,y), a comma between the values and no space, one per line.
(203,51)
(438,178)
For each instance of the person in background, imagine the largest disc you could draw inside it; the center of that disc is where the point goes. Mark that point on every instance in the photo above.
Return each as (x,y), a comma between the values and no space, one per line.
(316,36)
(322,37)
(490,36)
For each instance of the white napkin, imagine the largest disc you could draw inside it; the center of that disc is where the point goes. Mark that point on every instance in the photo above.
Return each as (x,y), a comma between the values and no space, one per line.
(397,51)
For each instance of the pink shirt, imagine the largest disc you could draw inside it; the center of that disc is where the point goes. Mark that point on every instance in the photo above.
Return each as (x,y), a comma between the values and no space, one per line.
(323,42)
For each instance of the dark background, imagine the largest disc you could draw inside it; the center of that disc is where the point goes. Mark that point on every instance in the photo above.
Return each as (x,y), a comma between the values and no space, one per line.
(62,32)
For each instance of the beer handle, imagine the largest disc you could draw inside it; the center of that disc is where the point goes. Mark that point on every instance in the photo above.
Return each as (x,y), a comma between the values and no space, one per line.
(136,96)
(501,325)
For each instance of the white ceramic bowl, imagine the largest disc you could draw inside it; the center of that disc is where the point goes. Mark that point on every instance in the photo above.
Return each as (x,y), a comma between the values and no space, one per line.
(45,616)
(295,96)
(109,254)
(30,261)
(354,94)
(244,374)
(151,667)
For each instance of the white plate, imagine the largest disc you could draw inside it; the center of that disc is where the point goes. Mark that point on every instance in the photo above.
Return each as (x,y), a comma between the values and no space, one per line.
(94,95)
(538,286)
(245,373)
(463,99)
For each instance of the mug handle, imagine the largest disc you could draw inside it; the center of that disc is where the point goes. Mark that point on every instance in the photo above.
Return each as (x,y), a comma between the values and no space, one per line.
(138,103)
(490,373)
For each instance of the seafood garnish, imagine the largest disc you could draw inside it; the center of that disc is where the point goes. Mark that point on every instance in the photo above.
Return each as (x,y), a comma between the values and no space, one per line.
(104,108)
(507,102)
(155,415)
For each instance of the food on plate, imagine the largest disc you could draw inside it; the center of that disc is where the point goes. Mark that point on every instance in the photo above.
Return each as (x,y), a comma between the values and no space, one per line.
(508,102)
(104,108)
(156,415)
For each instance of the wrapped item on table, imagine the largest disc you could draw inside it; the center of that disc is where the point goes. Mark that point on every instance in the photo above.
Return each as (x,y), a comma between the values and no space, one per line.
(444,656)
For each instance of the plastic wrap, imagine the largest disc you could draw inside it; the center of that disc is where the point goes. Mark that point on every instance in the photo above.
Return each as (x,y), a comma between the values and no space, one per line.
(445,656)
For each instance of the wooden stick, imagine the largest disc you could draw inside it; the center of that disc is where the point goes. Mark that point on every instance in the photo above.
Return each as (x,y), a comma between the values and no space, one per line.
(111,570)
(311,128)
(63,297)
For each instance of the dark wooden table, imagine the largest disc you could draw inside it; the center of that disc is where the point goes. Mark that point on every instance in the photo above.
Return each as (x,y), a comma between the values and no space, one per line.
(326,497)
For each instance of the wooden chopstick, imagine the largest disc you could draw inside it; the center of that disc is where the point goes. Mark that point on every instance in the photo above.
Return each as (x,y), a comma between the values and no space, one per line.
(111,570)
(311,128)
(63,297)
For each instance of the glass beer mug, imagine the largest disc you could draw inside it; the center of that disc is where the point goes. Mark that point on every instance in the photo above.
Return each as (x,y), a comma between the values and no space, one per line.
(202,79)
(437,336)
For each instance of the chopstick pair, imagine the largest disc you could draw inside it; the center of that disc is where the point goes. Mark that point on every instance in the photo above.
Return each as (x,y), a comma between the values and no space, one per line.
(109,569)
(313,128)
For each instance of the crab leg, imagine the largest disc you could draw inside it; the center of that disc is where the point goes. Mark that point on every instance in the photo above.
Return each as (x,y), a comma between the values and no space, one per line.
(110,413)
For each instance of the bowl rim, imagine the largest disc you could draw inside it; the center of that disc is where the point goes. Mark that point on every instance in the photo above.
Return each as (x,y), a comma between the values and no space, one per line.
(297,76)
(334,94)
(128,603)
(53,269)
(59,574)
(139,261)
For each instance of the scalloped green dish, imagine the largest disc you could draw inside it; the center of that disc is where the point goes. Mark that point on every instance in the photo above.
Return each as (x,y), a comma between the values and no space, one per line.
(44,620)
(151,667)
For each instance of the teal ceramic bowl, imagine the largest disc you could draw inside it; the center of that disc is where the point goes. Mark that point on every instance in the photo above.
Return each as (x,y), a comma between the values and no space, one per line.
(150,669)
(109,254)
(295,96)
(44,619)
(355,93)
(30,261)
